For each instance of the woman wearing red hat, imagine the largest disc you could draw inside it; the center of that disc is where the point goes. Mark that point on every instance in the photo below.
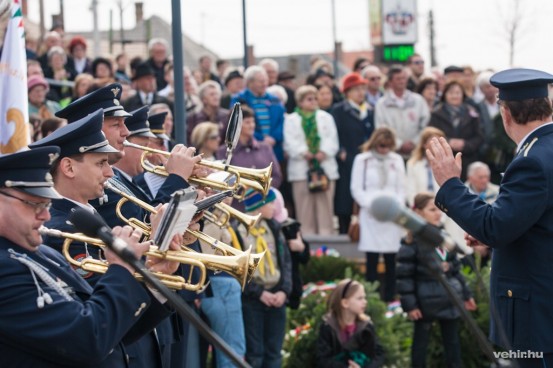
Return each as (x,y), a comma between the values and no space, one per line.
(355,124)
(77,60)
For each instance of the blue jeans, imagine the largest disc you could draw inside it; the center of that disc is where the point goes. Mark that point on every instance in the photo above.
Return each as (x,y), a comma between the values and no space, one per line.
(224,311)
(265,328)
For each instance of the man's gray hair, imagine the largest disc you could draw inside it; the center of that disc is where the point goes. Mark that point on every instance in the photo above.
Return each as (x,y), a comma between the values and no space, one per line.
(205,86)
(483,78)
(252,72)
(270,62)
(475,166)
(370,68)
(157,41)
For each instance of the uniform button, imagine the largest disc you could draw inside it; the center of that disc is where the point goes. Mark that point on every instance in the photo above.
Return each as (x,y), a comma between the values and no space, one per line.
(510,293)
(142,306)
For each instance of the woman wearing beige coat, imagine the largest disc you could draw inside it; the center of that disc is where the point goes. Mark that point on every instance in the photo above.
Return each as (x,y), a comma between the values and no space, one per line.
(318,147)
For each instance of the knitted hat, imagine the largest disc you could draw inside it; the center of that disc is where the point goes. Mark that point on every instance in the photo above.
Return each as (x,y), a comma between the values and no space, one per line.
(77,40)
(36,80)
(255,200)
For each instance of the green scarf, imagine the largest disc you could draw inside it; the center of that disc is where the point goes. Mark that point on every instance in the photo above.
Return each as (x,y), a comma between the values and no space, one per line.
(309,125)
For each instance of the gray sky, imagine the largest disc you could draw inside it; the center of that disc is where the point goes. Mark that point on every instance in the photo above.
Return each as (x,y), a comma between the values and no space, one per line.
(468,31)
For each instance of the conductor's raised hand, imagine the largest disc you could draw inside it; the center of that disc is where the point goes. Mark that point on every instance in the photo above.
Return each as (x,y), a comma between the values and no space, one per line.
(444,165)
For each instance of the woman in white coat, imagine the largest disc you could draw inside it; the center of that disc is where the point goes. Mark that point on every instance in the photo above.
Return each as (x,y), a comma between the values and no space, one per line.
(311,141)
(377,170)
(419,176)
(419,179)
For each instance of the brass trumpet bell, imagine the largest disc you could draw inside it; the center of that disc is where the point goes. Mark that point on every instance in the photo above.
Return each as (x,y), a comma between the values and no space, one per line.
(227,212)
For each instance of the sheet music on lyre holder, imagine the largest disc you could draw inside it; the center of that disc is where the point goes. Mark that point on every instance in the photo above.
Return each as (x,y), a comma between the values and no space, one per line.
(176,218)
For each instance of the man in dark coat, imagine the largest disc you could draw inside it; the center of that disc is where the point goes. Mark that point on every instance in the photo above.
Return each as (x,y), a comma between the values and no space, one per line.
(146,93)
(519,224)
(50,317)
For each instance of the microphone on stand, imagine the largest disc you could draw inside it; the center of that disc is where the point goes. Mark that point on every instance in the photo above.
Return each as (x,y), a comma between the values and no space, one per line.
(387,208)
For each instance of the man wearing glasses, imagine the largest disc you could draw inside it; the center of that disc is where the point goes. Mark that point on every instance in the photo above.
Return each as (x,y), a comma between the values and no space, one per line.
(415,64)
(374,88)
(50,317)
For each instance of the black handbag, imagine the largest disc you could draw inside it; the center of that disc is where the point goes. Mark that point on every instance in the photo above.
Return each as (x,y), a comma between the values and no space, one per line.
(317,180)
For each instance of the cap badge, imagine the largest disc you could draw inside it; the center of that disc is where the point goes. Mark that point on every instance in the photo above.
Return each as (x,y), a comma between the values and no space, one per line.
(52,157)
(115,91)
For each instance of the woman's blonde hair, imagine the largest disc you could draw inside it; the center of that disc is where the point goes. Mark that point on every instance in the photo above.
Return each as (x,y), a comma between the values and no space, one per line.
(79,79)
(426,134)
(382,135)
(201,132)
(304,91)
(344,290)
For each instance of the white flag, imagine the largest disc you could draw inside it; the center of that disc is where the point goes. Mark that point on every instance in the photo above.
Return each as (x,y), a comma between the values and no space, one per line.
(14,110)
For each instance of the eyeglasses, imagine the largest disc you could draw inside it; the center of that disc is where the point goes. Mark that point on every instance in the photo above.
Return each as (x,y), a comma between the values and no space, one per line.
(418,62)
(39,207)
(383,146)
(372,79)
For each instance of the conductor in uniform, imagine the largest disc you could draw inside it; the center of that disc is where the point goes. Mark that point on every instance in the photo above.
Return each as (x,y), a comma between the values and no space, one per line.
(519,224)
(50,317)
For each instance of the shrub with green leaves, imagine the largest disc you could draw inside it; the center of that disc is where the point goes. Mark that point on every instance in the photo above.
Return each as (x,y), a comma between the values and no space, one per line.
(327,268)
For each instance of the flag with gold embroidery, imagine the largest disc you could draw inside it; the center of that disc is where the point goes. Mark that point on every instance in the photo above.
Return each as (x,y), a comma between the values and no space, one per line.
(14,111)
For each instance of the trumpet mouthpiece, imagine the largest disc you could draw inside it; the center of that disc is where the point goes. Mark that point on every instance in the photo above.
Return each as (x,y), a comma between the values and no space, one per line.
(43,230)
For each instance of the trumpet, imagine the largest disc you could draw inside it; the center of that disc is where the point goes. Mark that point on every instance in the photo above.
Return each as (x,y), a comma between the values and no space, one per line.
(257,179)
(99,266)
(224,249)
(236,266)
(227,212)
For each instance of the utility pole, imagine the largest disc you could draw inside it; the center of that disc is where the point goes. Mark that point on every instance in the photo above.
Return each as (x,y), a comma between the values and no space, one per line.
(336,72)
(62,14)
(432,36)
(111,31)
(96,31)
(122,31)
(245,34)
(178,73)
(42,23)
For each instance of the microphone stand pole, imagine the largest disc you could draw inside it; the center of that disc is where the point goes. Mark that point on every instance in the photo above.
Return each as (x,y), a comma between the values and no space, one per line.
(436,270)
(182,308)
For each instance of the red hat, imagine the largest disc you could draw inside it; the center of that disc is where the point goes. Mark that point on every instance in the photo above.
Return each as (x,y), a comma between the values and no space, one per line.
(77,40)
(351,80)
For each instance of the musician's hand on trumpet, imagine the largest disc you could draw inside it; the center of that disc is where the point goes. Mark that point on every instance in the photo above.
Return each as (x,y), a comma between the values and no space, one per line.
(132,238)
(189,238)
(182,161)
(156,264)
